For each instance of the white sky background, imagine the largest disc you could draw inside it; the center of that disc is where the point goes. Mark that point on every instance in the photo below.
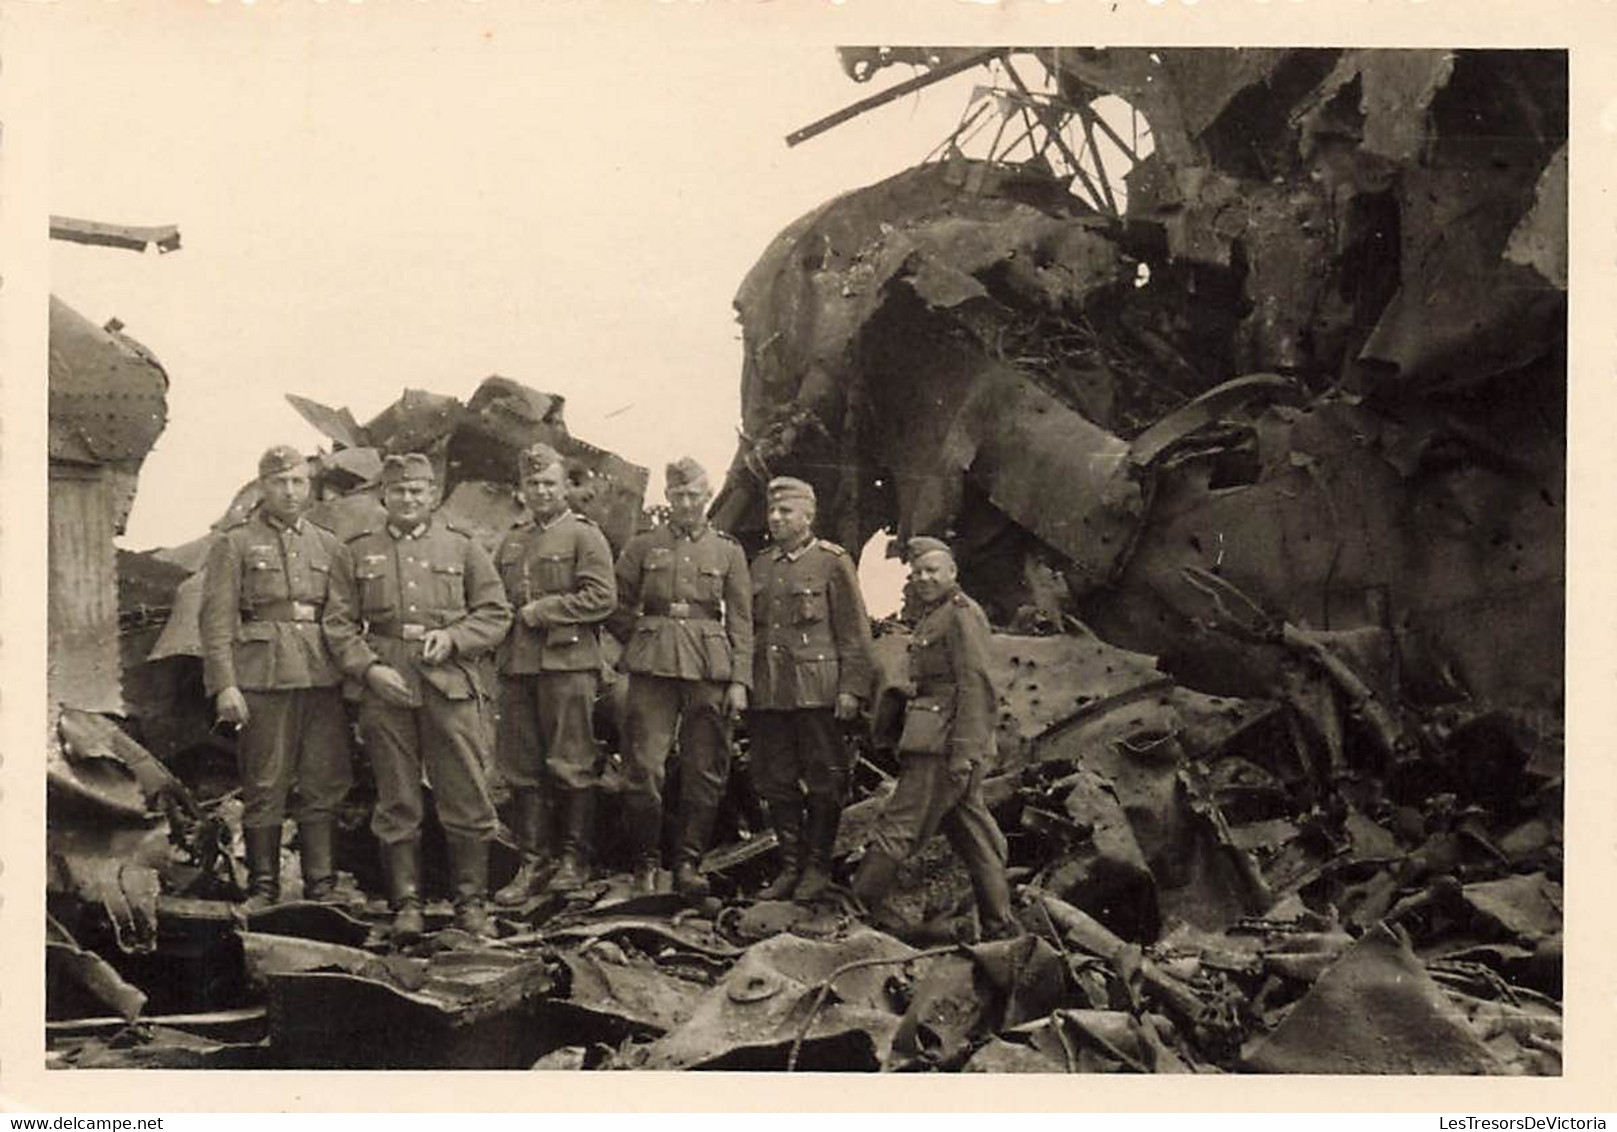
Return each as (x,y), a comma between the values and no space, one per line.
(423,201)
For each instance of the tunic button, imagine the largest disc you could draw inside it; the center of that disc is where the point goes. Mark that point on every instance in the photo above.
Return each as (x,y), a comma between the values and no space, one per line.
(412,609)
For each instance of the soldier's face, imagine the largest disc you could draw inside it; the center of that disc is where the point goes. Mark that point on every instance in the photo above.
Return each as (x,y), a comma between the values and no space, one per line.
(790,521)
(407,501)
(933,574)
(546,491)
(286,494)
(688,502)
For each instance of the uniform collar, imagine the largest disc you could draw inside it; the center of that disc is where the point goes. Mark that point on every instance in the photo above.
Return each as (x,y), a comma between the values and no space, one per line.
(565,513)
(399,533)
(694,533)
(794,555)
(275,524)
(947,597)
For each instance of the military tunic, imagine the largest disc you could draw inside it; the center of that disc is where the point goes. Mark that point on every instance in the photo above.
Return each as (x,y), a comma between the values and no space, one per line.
(811,643)
(949,733)
(389,588)
(549,675)
(685,616)
(264,588)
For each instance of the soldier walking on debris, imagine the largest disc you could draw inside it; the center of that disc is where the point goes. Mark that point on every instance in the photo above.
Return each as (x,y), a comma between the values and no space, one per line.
(414,603)
(811,668)
(948,736)
(556,567)
(685,617)
(265,663)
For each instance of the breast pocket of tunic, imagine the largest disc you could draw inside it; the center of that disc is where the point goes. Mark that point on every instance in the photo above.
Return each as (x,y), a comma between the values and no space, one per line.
(449,586)
(319,581)
(263,579)
(553,574)
(808,605)
(657,578)
(929,660)
(710,584)
(518,586)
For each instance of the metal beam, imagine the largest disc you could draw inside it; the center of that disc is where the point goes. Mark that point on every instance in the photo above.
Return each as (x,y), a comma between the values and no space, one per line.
(130,236)
(908,86)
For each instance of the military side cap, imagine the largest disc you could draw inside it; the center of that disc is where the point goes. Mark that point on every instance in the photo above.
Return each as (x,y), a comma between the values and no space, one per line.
(408,466)
(281,458)
(786,487)
(536,458)
(685,471)
(925,544)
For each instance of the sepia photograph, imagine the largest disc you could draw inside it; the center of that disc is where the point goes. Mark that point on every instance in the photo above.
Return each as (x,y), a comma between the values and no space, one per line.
(574,551)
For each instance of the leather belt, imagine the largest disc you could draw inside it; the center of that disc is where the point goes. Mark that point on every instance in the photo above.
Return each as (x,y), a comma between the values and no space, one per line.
(399,632)
(284,611)
(686,611)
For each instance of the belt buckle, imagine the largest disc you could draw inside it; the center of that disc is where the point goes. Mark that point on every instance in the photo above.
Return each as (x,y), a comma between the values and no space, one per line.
(680,610)
(412,632)
(304,611)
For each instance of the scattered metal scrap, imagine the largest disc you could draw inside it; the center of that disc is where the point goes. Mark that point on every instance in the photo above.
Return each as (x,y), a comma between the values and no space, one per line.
(1280,747)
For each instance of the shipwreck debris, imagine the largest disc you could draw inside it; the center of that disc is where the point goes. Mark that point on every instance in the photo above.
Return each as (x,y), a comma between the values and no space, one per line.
(1266,509)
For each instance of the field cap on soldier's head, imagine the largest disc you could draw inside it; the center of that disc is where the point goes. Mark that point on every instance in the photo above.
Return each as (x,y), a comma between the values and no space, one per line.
(281,458)
(925,544)
(536,458)
(409,466)
(685,471)
(787,487)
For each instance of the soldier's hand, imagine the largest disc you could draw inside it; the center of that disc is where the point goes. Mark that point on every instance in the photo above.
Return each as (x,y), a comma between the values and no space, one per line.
(389,684)
(531,617)
(847,707)
(735,700)
(232,706)
(437,646)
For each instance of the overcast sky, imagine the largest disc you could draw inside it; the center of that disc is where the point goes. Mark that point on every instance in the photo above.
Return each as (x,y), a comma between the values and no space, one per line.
(420,202)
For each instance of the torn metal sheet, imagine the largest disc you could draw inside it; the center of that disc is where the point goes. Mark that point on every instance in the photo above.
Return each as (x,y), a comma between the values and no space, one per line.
(628,993)
(1095,1041)
(1539,240)
(1526,907)
(337,424)
(269,954)
(108,399)
(92,741)
(66,961)
(474,1009)
(1395,92)
(1375,1011)
(143,1046)
(485,510)
(766,1002)
(349,468)
(984,990)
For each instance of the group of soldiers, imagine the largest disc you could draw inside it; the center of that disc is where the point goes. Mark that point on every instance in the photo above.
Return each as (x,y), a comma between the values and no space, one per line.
(406,612)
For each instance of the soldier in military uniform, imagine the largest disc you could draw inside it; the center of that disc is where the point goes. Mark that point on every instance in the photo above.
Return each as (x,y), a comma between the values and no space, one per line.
(414,602)
(811,669)
(265,664)
(556,567)
(685,617)
(947,739)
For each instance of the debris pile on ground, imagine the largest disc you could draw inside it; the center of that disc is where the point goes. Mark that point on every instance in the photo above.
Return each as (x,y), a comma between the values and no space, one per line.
(1198,896)
(1261,481)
